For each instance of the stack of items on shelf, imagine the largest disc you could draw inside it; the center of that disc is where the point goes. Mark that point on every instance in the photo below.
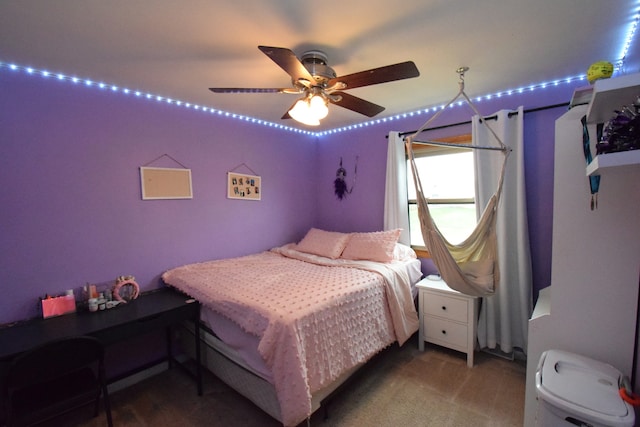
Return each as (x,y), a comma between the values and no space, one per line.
(622,132)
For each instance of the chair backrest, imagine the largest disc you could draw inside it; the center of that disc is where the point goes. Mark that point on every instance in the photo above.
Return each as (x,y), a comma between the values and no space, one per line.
(54,359)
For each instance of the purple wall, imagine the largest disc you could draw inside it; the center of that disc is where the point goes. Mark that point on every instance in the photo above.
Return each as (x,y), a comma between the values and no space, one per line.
(71,201)
(363,209)
(72,209)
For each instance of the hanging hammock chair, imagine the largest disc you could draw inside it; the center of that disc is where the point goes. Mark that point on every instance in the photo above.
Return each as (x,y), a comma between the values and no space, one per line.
(470,267)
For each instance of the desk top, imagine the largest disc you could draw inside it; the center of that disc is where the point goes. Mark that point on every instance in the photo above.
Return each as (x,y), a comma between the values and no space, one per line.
(106,325)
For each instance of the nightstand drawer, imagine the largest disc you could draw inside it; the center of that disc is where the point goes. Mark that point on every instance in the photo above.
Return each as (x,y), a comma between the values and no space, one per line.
(443,332)
(447,307)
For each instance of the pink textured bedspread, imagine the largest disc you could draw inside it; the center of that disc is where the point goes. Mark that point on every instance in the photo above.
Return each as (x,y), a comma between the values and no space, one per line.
(315,319)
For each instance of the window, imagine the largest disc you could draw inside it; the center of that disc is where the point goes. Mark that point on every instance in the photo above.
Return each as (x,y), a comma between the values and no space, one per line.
(448,181)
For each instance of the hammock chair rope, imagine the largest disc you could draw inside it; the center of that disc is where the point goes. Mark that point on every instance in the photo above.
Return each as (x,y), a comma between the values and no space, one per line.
(470,267)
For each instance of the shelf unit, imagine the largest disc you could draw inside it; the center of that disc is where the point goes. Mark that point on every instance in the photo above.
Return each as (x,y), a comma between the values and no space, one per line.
(605,162)
(607,96)
(610,95)
(591,306)
(447,317)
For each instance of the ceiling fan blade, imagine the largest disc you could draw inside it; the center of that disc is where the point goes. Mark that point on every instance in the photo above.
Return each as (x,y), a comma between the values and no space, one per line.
(358,105)
(288,61)
(246,90)
(403,70)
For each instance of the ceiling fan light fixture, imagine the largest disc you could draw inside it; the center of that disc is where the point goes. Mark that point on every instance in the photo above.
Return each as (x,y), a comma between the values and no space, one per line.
(310,110)
(301,112)
(318,106)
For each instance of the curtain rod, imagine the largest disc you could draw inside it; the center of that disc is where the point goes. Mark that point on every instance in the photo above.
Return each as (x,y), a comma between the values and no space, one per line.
(454,145)
(532,110)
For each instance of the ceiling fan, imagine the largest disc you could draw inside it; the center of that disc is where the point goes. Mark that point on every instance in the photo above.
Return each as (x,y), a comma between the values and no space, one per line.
(319,84)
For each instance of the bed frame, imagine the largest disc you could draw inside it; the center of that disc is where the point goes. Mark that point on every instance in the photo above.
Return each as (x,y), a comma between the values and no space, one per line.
(225,364)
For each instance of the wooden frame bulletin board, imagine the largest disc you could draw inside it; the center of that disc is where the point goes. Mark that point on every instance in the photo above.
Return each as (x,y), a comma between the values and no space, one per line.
(242,186)
(165,183)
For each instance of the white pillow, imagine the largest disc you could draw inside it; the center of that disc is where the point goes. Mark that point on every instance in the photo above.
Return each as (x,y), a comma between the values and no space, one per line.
(329,244)
(403,252)
(376,246)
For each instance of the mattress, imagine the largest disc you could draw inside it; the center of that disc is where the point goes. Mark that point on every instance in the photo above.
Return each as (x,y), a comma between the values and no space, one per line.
(301,321)
(242,347)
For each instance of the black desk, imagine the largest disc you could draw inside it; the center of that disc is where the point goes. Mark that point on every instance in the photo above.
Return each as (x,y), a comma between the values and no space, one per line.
(153,310)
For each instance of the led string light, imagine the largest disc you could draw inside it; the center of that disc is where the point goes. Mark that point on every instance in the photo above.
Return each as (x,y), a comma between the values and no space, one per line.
(382,120)
(635,20)
(433,109)
(145,95)
(633,27)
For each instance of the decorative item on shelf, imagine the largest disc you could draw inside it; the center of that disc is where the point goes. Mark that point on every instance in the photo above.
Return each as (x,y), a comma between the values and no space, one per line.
(594,180)
(340,186)
(125,289)
(599,70)
(622,131)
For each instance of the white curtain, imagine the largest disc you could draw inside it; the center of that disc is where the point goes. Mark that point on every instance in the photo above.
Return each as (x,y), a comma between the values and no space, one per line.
(504,316)
(396,209)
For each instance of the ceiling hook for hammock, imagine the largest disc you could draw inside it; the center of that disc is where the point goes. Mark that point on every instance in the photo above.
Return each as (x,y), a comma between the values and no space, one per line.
(461,72)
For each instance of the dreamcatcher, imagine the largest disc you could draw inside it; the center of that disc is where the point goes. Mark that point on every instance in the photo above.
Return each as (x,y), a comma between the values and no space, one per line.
(340,184)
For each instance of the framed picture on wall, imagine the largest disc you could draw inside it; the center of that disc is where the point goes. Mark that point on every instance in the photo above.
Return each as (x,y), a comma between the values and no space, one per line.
(242,186)
(165,183)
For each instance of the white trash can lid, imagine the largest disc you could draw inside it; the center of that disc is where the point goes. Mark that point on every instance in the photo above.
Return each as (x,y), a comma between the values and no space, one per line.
(583,387)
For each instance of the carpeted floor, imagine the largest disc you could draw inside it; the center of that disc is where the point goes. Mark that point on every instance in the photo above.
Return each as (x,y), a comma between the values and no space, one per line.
(400,387)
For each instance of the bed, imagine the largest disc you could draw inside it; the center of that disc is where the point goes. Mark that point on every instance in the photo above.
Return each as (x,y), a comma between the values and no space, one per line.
(286,327)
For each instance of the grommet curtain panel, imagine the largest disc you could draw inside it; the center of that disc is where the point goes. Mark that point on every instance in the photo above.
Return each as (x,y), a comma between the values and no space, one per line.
(396,210)
(504,316)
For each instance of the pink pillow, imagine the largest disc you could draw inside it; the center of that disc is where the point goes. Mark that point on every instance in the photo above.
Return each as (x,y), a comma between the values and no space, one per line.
(377,246)
(329,244)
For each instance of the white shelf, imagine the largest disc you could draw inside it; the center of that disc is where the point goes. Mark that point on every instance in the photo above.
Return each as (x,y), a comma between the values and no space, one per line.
(543,305)
(603,162)
(610,95)
(581,96)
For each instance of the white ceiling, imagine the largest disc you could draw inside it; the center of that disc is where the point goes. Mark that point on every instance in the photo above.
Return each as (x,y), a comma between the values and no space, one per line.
(180,48)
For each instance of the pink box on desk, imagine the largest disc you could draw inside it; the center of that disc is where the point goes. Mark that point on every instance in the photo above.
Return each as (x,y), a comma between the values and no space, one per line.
(57,306)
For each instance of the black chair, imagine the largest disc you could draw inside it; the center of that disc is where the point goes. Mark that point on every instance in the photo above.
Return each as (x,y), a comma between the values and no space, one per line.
(55,378)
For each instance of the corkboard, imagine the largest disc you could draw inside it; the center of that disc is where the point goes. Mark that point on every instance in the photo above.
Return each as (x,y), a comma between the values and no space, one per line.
(165,183)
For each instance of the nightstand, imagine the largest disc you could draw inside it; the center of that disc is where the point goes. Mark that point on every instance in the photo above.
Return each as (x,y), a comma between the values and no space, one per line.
(447,317)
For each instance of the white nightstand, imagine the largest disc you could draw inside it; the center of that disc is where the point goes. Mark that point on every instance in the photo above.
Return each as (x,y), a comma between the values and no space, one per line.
(447,317)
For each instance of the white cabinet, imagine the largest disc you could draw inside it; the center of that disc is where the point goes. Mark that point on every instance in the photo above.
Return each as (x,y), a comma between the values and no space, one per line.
(447,317)
(591,306)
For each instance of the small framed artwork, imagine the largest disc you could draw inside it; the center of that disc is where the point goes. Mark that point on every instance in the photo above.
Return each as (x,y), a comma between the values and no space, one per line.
(241,186)
(165,183)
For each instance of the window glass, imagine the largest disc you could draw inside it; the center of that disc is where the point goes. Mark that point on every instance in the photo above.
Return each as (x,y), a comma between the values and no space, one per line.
(448,181)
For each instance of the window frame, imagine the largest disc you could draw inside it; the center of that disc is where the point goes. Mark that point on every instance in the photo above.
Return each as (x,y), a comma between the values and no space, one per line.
(421,150)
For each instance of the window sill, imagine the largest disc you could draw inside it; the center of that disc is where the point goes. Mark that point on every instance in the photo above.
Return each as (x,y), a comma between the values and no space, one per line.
(421,252)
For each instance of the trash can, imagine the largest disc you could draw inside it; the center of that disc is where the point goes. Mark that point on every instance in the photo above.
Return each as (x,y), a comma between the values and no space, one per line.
(574,390)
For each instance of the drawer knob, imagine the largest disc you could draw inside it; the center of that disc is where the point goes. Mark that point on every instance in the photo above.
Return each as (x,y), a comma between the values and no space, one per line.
(444,307)
(444,332)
